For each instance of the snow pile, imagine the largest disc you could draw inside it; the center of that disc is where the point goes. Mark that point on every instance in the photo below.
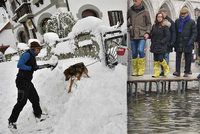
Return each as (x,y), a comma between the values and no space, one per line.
(22,46)
(89,24)
(10,50)
(64,47)
(97,105)
(43,53)
(84,43)
(50,38)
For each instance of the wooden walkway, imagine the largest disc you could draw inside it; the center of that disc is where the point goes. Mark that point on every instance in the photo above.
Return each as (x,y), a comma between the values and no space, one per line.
(162,83)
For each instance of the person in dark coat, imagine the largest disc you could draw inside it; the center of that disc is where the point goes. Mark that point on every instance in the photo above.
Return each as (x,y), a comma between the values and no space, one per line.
(198,35)
(186,33)
(26,90)
(172,36)
(160,36)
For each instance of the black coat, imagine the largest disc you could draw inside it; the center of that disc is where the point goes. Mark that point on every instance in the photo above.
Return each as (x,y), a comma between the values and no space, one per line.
(172,35)
(185,39)
(198,30)
(28,75)
(160,37)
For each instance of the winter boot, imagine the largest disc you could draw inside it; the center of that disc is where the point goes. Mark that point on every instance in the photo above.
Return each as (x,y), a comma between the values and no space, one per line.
(165,67)
(12,125)
(177,74)
(134,67)
(141,66)
(42,117)
(156,67)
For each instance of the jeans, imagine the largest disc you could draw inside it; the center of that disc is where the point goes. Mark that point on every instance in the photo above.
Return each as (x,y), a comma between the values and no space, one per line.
(137,47)
(166,57)
(158,57)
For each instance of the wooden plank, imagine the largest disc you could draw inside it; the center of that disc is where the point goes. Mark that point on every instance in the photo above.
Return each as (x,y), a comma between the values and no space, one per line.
(149,78)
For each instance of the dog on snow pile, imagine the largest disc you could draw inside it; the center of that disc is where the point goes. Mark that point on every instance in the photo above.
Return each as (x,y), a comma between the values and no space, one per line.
(75,72)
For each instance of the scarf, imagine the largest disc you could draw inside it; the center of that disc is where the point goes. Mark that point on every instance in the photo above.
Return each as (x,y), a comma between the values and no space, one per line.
(182,22)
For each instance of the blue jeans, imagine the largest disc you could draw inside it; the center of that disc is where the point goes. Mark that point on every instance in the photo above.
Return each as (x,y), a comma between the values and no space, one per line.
(166,57)
(137,47)
(158,57)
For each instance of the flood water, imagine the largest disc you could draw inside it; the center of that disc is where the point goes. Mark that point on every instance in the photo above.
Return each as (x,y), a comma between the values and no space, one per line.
(170,113)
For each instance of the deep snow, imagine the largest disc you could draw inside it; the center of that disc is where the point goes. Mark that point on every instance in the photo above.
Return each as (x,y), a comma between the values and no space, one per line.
(97,105)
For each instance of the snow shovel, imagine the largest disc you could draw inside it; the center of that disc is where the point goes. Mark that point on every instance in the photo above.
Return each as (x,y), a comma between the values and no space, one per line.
(52,66)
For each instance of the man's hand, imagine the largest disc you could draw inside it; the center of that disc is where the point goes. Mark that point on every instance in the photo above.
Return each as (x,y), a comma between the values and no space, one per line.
(35,68)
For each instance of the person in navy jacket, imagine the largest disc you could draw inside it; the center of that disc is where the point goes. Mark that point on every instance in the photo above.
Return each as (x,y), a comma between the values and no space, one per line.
(26,90)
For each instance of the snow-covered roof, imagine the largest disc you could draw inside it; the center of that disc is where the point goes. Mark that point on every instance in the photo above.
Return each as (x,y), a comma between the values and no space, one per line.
(10,50)
(4,25)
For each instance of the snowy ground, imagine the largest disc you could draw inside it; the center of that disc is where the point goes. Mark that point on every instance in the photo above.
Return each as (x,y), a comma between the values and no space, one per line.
(97,105)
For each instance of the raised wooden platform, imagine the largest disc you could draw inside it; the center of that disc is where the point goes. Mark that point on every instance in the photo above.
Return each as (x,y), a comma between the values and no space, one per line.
(161,82)
(170,77)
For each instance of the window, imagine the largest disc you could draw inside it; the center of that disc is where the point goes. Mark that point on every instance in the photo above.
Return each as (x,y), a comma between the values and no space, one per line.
(22,37)
(13,5)
(115,16)
(44,25)
(2,4)
(89,12)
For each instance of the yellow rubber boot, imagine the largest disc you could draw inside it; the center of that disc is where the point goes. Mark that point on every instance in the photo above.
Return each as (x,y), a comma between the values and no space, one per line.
(141,66)
(134,67)
(156,68)
(165,67)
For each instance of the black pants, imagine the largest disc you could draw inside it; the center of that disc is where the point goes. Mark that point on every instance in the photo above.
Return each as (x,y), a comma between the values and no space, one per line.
(188,61)
(26,90)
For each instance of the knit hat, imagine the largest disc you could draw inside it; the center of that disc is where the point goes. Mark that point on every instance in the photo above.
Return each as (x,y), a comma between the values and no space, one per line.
(163,10)
(184,10)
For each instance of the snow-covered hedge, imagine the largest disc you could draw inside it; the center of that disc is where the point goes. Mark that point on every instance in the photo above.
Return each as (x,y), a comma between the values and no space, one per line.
(61,23)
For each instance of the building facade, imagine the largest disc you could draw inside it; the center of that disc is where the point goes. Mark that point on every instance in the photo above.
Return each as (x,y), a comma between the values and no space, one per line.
(172,6)
(29,17)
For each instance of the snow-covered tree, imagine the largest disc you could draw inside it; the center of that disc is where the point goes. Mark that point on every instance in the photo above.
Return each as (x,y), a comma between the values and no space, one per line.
(61,23)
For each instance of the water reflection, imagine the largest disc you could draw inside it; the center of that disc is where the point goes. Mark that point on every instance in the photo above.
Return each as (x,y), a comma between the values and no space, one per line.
(166,113)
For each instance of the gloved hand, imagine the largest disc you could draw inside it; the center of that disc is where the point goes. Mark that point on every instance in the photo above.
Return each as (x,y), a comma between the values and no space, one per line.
(35,68)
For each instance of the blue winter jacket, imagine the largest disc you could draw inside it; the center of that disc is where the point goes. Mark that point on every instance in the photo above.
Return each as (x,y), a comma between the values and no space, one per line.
(23,59)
